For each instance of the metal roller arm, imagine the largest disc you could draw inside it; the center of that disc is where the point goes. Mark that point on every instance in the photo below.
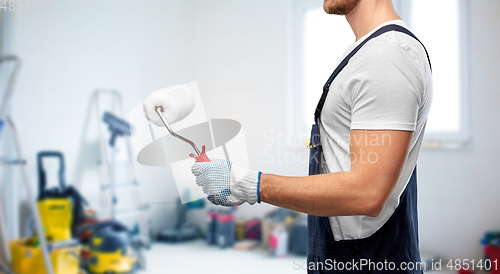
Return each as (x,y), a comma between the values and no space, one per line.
(159,111)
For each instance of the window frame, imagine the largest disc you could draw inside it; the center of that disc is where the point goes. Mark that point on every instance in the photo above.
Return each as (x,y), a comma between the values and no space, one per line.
(432,140)
(462,137)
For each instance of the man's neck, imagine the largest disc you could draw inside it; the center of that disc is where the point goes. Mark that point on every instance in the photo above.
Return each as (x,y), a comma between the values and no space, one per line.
(370,14)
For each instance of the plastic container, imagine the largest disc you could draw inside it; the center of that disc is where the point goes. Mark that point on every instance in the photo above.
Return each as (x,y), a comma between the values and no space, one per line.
(493,253)
(272,220)
(240,229)
(56,215)
(278,242)
(211,227)
(226,232)
(28,259)
(253,229)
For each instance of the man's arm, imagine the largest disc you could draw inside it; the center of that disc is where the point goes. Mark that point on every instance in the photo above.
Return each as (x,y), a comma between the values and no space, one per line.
(377,160)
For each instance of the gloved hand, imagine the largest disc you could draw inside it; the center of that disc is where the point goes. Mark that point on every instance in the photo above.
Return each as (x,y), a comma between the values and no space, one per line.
(227,184)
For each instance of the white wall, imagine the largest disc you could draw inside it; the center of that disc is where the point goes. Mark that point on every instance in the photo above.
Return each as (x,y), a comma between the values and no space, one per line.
(458,188)
(240,64)
(79,46)
(237,51)
(233,49)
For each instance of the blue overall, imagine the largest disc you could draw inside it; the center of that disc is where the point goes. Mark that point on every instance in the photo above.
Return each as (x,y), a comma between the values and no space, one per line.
(395,243)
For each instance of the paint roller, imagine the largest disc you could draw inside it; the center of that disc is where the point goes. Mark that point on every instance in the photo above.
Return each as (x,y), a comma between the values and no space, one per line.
(169,105)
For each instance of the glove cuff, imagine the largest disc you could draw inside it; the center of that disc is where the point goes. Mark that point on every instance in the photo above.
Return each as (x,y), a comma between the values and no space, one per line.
(246,184)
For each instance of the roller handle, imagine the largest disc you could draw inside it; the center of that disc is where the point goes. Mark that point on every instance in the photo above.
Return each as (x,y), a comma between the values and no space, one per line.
(202,157)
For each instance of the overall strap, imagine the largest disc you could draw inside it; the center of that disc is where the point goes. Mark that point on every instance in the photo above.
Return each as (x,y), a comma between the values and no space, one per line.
(345,61)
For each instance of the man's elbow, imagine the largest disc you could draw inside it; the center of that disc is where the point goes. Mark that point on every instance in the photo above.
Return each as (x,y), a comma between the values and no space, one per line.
(375,197)
(375,210)
(374,205)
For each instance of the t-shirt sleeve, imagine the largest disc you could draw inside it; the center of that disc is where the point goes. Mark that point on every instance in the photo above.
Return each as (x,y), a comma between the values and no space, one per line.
(385,90)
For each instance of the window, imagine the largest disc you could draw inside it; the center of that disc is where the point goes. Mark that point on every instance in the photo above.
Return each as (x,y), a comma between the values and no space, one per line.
(443,27)
(319,40)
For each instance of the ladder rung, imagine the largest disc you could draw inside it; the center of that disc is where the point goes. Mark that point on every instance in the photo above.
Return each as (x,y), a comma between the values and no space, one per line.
(5,161)
(134,210)
(121,185)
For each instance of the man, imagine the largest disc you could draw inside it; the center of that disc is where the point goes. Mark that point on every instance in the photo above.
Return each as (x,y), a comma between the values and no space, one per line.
(362,208)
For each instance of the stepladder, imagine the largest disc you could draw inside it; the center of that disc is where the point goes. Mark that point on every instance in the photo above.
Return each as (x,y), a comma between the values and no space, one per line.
(120,188)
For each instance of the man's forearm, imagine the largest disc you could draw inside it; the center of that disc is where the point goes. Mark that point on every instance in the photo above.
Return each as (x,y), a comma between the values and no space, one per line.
(364,190)
(333,194)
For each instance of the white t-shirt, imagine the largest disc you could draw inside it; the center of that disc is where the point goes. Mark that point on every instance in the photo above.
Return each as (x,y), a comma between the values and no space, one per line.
(387,85)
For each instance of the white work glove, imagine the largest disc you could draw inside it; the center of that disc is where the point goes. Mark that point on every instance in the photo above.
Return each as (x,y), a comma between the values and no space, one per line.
(227,184)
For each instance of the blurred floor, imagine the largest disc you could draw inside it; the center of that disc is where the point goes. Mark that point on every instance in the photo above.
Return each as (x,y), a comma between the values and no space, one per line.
(197,257)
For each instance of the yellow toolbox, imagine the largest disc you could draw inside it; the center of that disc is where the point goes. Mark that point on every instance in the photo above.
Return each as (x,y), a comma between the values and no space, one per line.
(27,258)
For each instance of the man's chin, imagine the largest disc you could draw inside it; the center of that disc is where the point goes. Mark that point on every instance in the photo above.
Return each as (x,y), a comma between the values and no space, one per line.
(339,7)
